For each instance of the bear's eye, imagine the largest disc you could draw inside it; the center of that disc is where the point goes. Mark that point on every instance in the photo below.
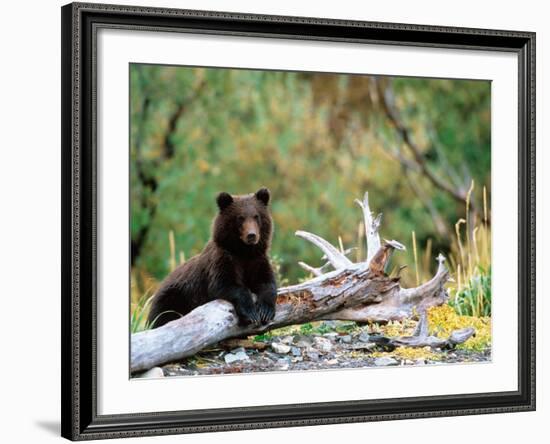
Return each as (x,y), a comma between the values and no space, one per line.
(240,219)
(257,217)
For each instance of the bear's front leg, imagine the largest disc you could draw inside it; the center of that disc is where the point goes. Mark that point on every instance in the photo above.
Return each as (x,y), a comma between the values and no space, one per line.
(245,307)
(243,301)
(224,283)
(267,295)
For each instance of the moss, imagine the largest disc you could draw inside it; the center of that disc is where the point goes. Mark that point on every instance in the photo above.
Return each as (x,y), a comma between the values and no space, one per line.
(410,353)
(394,328)
(443,320)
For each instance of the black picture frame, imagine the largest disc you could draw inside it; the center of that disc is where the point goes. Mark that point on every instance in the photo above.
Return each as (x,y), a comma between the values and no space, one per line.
(80,22)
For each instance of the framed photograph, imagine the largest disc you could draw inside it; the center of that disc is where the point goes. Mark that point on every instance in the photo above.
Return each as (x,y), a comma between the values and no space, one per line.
(279,221)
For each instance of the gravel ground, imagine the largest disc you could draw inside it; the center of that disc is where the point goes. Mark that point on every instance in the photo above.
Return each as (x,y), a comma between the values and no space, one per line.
(309,352)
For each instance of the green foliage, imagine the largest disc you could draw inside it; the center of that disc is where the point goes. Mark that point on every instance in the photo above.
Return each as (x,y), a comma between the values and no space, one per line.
(263,337)
(346,327)
(318,141)
(474,299)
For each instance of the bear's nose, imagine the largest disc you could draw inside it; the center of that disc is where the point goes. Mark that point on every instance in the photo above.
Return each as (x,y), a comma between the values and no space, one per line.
(251,237)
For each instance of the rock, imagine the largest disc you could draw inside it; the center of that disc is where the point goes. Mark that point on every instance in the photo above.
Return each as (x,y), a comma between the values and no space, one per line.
(230,358)
(332,361)
(331,335)
(363,346)
(241,355)
(312,355)
(295,351)
(283,364)
(385,361)
(280,348)
(323,344)
(155,372)
(364,337)
(268,354)
(420,362)
(238,350)
(303,341)
(346,339)
(287,340)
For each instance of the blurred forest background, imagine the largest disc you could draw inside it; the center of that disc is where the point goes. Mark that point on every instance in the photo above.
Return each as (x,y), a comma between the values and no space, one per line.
(420,147)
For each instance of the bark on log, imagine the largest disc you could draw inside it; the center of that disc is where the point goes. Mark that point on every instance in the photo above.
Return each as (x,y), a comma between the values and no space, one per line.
(350,292)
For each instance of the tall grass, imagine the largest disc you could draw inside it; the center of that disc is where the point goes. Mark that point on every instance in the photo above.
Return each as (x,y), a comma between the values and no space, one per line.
(138,314)
(143,288)
(469,261)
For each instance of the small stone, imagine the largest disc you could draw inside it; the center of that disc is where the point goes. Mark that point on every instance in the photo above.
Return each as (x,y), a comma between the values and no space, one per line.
(408,362)
(332,361)
(364,346)
(242,355)
(287,340)
(364,337)
(270,355)
(155,372)
(312,355)
(331,335)
(385,361)
(238,350)
(303,341)
(420,362)
(295,351)
(280,348)
(346,339)
(323,344)
(282,364)
(230,358)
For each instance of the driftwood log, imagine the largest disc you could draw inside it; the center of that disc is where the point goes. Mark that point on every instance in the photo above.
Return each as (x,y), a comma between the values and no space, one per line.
(352,291)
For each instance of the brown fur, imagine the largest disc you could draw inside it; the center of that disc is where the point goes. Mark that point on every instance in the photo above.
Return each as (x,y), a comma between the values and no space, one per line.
(233,265)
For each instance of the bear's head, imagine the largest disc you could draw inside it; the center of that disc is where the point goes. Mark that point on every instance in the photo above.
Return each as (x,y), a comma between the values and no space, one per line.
(243,224)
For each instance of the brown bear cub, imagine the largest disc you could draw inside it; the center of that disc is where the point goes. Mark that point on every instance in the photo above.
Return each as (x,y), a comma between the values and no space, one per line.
(233,266)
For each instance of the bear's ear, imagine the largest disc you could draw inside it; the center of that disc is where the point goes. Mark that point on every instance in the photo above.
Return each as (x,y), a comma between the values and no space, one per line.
(263,195)
(224,200)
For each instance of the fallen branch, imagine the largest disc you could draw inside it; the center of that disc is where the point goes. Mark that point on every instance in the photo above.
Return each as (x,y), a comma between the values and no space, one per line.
(352,291)
(421,338)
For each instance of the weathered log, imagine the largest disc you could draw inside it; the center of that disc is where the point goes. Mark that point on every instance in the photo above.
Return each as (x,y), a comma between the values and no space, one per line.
(215,321)
(402,304)
(349,292)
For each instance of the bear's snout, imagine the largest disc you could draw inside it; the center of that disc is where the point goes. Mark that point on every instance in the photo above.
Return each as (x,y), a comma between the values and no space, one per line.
(250,232)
